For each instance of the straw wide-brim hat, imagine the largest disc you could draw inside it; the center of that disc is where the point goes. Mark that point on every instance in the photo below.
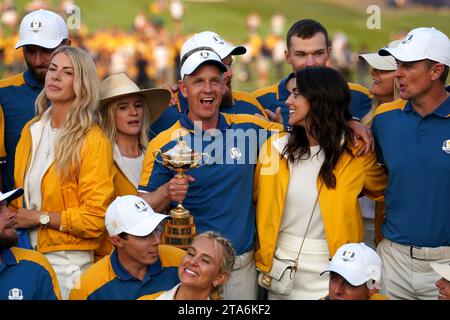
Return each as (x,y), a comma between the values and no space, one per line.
(119,85)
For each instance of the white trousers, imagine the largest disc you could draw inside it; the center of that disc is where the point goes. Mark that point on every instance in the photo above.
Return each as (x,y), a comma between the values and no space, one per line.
(242,283)
(405,278)
(314,259)
(68,266)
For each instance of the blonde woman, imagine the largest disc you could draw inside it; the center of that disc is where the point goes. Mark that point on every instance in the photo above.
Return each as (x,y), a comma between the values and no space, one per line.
(127,113)
(64,164)
(384,89)
(204,269)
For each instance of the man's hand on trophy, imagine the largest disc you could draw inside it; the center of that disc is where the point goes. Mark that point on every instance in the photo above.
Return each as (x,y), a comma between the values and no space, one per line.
(178,188)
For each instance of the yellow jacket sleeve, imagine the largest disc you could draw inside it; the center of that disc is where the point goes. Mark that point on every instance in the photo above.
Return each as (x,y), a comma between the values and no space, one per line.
(375,178)
(95,189)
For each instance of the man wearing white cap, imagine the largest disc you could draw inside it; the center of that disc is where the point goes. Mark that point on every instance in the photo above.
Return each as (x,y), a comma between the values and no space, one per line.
(355,272)
(24,274)
(413,141)
(219,194)
(139,265)
(41,32)
(233,101)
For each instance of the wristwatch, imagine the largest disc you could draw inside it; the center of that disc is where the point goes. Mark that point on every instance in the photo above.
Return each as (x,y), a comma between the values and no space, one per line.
(44,220)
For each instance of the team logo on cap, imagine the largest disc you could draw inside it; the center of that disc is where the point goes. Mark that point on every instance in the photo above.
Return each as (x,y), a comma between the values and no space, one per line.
(218,40)
(446,146)
(36,26)
(140,206)
(348,255)
(15,294)
(204,54)
(235,153)
(408,38)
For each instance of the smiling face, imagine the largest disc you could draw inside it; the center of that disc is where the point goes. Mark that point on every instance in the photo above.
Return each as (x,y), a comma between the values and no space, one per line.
(129,115)
(382,85)
(310,52)
(8,236)
(201,266)
(59,80)
(298,108)
(204,89)
(141,251)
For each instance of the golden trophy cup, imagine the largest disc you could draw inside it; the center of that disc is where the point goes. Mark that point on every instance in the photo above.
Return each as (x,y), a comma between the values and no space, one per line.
(180,229)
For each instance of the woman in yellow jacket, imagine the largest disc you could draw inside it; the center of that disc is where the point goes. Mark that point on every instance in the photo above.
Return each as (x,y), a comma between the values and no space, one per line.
(314,162)
(64,164)
(127,113)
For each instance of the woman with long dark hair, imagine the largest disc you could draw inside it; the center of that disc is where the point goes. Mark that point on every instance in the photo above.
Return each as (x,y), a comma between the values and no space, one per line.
(308,181)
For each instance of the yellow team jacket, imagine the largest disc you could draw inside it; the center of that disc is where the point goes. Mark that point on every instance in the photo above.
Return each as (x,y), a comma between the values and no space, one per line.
(123,187)
(340,208)
(82,203)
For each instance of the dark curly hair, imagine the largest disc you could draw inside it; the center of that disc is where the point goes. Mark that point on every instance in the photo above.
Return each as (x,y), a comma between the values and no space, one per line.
(329,96)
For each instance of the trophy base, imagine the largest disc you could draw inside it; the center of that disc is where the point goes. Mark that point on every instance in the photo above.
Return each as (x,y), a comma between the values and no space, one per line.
(180,229)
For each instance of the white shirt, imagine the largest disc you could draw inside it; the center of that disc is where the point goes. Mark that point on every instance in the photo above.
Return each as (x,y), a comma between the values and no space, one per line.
(170,295)
(42,159)
(301,196)
(131,167)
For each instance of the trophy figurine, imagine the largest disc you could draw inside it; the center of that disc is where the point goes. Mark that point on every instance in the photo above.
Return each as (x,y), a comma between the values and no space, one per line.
(180,229)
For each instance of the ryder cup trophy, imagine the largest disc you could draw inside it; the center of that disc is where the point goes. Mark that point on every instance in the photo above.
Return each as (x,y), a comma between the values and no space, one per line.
(180,230)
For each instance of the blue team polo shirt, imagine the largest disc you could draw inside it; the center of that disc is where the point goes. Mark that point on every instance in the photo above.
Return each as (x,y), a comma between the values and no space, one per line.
(220,198)
(416,151)
(17,97)
(174,113)
(24,279)
(125,287)
(276,96)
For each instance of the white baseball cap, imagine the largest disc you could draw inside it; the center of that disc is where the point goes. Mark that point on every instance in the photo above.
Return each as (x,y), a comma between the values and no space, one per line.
(42,28)
(11,195)
(195,59)
(419,44)
(132,215)
(211,40)
(442,268)
(376,61)
(356,263)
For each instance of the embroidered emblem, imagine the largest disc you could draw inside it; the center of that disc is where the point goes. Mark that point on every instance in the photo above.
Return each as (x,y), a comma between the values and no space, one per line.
(15,294)
(235,153)
(36,26)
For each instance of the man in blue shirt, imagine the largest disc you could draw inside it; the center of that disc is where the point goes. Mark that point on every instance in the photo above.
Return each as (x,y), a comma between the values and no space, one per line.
(24,274)
(233,102)
(138,266)
(41,32)
(307,45)
(218,194)
(413,141)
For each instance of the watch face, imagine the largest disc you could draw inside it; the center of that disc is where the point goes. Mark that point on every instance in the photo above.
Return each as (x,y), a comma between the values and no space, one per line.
(44,219)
